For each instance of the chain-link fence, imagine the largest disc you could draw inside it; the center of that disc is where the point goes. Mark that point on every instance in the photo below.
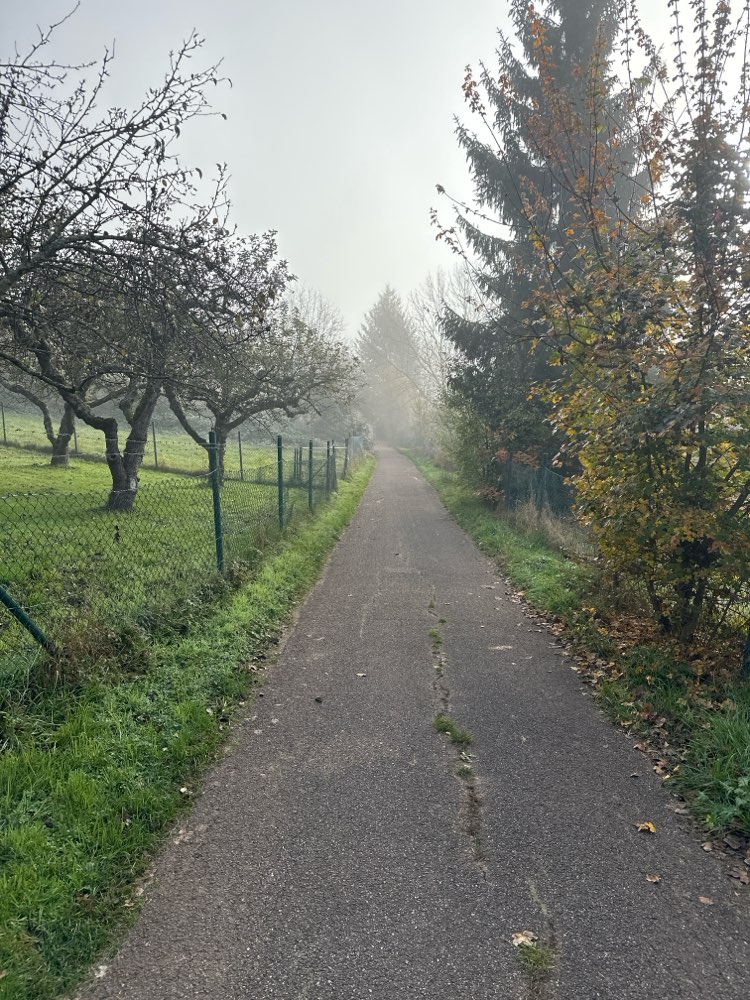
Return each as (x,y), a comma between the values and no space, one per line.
(540,485)
(70,566)
(167,446)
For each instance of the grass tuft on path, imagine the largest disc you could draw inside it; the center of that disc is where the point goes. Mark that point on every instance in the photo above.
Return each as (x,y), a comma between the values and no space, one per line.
(93,773)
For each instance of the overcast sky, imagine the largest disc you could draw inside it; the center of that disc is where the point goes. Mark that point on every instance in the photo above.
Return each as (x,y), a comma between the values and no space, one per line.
(340,118)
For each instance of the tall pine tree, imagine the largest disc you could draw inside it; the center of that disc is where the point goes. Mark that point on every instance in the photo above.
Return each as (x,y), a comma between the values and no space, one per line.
(387,349)
(566,43)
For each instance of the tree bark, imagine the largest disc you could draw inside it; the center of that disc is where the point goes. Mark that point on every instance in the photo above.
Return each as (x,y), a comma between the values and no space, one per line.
(61,442)
(125,467)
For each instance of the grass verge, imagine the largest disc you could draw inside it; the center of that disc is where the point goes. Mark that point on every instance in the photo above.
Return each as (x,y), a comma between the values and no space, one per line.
(694,715)
(93,773)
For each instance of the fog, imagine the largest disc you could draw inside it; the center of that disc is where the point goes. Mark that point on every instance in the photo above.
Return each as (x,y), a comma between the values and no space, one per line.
(339,118)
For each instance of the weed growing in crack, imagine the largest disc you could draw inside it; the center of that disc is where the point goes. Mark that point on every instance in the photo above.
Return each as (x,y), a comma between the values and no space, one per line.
(444,724)
(537,959)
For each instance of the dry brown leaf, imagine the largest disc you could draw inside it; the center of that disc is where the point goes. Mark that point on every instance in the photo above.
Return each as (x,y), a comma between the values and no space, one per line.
(706,900)
(646,827)
(741,875)
(653,878)
(521,938)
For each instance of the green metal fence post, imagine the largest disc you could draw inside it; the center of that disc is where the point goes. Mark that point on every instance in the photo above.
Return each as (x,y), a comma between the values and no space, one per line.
(334,470)
(328,467)
(5,436)
(153,438)
(28,623)
(310,476)
(345,473)
(75,440)
(242,468)
(213,459)
(280,478)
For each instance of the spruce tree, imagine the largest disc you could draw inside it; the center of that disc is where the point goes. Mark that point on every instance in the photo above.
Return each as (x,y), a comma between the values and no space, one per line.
(570,42)
(387,350)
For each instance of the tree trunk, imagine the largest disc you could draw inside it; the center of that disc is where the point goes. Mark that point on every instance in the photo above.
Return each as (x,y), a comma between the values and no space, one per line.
(61,441)
(125,467)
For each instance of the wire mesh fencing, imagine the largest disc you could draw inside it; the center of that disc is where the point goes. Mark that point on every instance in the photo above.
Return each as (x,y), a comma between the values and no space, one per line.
(70,565)
(539,485)
(167,447)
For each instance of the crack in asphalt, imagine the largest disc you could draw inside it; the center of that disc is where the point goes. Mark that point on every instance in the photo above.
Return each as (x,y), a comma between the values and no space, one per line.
(472,816)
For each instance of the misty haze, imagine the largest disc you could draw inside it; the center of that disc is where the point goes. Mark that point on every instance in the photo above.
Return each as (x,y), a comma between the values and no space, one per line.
(374,500)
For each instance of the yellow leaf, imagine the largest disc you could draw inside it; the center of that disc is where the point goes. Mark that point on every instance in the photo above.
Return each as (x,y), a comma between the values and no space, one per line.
(646,827)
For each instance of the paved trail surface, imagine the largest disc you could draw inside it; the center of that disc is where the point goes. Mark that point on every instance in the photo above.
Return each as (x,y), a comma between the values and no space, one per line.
(335,854)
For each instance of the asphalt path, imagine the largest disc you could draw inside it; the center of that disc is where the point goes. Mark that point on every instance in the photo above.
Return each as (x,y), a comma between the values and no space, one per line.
(335,854)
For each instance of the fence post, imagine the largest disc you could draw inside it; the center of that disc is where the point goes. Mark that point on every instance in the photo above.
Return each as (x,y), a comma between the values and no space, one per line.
(75,440)
(28,623)
(213,460)
(242,468)
(5,436)
(153,438)
(280,477)
(345,473)
(334,471)
(328,467)
(310,476)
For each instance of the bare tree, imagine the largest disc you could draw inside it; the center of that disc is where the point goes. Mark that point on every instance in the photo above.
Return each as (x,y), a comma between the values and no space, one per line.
(79,184)
(290,370)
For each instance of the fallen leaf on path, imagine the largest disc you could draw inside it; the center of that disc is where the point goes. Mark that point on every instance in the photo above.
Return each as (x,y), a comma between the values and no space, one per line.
(647,827)
(706,900)
(361,675)
(521,938)
(499,648)
(708,846)
(653,878)
(741,876)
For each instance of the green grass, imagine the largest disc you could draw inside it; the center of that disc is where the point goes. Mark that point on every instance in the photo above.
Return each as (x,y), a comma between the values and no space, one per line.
(85,573)
(536,959)
(707,717)
(175,450)
(444,724)
(92,771)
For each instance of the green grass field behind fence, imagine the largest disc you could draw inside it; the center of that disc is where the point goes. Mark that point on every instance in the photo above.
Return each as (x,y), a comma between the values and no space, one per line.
(81,571)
